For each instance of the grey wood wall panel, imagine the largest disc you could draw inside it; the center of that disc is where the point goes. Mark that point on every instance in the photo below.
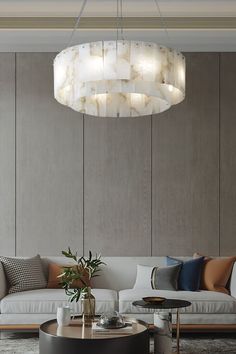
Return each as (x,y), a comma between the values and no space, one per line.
(228,154)
(117,188)
(49,163)
(7,153)
(185,165)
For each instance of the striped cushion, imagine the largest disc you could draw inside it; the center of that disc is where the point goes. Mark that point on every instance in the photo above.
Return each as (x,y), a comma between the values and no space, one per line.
(24,274)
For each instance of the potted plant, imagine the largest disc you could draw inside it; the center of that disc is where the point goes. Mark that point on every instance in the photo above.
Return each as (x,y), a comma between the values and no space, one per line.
(83,271)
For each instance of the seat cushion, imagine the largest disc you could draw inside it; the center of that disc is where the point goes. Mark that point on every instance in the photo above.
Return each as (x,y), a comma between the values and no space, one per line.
(47,301)
(202,301)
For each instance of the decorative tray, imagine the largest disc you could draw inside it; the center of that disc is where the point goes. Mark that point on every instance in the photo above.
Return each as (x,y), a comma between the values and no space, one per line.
(154,300)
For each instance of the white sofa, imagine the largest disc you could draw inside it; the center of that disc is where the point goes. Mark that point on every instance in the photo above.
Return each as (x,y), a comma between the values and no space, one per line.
(113,290)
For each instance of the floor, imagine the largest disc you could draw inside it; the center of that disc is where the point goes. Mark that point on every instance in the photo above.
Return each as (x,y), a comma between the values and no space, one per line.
(27,343)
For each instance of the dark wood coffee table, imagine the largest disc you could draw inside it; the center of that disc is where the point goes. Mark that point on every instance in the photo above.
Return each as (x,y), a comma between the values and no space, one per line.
(77,338)
(163,322)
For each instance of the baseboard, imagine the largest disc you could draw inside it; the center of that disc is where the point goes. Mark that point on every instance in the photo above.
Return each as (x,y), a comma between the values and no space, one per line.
(18,327)
(208,327)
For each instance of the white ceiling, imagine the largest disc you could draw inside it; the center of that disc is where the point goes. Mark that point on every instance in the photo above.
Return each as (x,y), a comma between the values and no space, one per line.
(55,40)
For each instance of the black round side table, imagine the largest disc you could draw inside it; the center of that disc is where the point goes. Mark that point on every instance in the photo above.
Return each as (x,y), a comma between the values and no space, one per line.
(163,322)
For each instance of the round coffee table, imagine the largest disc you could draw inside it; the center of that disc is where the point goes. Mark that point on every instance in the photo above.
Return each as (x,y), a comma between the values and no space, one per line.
(77,338)
(163,322)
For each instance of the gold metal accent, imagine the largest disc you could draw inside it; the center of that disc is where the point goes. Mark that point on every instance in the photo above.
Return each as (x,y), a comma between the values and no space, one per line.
(195,328)
(177,329)
(110,22)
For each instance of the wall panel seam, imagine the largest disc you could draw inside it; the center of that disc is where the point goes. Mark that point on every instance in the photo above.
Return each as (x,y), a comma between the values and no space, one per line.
(151,182)
(15,106)
(83,182)
(219,163)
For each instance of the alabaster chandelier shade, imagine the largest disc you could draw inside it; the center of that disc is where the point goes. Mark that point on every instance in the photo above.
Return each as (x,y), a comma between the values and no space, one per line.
(119,78)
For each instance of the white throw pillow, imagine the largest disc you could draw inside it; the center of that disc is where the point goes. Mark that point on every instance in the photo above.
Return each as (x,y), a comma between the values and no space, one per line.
(143,277)
(233,282)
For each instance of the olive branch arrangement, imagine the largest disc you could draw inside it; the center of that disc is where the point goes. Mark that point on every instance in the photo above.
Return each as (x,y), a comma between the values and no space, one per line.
(90,265)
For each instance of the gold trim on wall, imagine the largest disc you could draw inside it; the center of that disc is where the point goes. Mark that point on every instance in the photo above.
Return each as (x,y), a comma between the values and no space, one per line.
(111,23)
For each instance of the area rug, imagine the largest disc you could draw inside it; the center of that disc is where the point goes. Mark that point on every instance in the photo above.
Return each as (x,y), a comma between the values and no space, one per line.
(202,344)
(195,344)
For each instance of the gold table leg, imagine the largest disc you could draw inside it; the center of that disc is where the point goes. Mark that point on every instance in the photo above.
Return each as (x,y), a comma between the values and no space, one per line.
(177,330)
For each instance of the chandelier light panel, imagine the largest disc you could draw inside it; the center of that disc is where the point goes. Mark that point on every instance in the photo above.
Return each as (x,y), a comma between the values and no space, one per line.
(119,78)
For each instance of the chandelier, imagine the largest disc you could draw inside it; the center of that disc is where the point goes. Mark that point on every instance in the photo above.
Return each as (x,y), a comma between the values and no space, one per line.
(119,78)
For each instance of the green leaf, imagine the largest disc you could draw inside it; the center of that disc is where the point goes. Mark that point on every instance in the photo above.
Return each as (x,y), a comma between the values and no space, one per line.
(90,264)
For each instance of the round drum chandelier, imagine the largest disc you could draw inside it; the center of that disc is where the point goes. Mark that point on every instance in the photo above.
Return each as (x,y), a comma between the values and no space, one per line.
(119,78)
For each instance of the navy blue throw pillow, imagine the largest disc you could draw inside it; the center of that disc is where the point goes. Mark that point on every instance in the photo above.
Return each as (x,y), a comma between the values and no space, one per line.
(190,273)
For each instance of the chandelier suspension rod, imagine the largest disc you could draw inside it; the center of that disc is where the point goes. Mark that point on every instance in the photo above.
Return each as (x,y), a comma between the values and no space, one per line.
(163,23)
(119,20)
(77,23)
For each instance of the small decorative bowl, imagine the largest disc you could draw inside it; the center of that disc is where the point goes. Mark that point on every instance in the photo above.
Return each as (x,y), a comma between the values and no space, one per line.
(111,320)
(154,300)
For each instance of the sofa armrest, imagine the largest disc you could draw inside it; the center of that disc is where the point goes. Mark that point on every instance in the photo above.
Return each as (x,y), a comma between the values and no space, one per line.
(232,287)
(3,282)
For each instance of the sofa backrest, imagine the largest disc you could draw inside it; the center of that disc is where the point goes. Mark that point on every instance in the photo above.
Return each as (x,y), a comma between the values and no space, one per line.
(118,274)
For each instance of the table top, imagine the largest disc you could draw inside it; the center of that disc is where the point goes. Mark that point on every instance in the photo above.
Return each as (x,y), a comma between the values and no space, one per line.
(77,330)
(167,304)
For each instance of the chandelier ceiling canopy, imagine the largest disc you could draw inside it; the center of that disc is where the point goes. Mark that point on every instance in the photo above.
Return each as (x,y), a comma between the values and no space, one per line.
(119,78)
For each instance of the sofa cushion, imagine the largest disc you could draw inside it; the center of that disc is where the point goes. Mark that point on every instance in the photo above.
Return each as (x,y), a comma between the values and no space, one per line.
(166,278)
(144,277)
(3,282)
(24,274)
(47,301)
(233,282)
(190,273)
(216,273)
(55,270)
(202,301)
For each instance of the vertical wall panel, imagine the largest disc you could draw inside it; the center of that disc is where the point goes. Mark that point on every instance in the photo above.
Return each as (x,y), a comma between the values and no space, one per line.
(185,164)
(117,193)
(49,163)
(185,179)
(7,153)
(228,155)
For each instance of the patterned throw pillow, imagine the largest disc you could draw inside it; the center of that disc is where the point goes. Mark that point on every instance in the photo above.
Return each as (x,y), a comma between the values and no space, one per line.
(24,274)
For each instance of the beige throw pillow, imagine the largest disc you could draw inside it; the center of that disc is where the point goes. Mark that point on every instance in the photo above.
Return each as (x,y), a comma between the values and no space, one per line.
(216,273)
